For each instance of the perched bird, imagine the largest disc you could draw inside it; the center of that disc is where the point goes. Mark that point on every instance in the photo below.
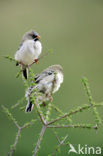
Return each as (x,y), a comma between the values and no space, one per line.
(29,50)
(46,83)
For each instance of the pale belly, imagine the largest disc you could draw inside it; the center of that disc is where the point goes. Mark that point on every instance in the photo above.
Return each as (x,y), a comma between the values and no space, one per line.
(27,53)
(27,57)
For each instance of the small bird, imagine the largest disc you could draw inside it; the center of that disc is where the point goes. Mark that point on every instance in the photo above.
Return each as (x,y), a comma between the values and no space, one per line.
(46,83)
(29,51)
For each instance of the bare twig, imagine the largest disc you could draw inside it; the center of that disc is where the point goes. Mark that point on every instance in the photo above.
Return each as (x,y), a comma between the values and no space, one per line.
(60,143)
(74,112)
(57,137)
(15,142)
(10,58)
(18,103)
(39,140)
(91,101)
(40,113)
(20,128)
(48,112)
(88,126)
(29,123)
(59,111)
(10,116)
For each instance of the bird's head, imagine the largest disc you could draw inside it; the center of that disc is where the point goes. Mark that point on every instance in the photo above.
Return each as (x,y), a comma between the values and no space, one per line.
(56,68)
(31,35)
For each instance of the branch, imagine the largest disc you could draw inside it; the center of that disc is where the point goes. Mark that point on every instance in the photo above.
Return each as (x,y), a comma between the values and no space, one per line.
(10,58)
(10,116)
(48,112)
(59,111)
(18,103)
(88,126)
(91,101)
(26,125)
(39,140)
(72,112)
(40,113)
(56,137)
(15,142)
(20,128)
(60,143)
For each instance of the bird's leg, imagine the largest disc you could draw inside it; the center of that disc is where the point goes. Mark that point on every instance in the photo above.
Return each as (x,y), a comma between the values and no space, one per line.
(36,61)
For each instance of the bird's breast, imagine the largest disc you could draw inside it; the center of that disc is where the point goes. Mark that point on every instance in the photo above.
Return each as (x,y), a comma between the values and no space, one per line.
(37,48)
(28,52)
(58,81)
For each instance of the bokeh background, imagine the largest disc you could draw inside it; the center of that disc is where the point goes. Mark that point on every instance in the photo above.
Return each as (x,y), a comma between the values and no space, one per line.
(73,30)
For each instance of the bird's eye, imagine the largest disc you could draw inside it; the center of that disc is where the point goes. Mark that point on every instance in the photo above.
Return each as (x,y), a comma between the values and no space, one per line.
(49,73)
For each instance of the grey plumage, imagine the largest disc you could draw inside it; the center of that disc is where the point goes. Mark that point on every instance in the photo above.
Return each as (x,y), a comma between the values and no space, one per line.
(29,36)
(47,83)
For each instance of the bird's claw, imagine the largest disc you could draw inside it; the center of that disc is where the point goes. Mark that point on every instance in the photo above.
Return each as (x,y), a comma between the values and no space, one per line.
(36,61)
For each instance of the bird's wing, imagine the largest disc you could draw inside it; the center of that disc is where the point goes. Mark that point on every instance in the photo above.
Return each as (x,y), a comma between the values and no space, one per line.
(44,75)
(20,46)
(28,44)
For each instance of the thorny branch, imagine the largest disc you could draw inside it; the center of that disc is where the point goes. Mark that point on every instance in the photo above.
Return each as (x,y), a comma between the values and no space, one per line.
(49,123)
(39,140)
(74,112)
(88,126)
(61,142)
(91,101)
(40,114)
(20,128)
(15,143)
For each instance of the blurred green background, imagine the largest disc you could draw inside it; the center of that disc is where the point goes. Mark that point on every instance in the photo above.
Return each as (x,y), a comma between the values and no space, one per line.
(73,30)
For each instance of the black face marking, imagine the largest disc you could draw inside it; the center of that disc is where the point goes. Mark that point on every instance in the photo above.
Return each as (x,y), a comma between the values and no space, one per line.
(36,39)
(50,73)
(34,36)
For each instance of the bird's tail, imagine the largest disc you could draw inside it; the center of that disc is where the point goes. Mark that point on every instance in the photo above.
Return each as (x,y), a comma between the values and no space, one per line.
(24,70)
(29,107)
(30,103)
(25,73)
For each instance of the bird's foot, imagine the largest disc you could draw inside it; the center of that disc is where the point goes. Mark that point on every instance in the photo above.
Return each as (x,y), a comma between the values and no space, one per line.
(36,61)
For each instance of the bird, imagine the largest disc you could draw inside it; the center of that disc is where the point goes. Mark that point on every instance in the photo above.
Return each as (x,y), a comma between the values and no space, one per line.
(29,50)
(46,83)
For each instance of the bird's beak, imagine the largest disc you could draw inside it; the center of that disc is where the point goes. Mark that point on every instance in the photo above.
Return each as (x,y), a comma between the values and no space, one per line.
(38,37)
